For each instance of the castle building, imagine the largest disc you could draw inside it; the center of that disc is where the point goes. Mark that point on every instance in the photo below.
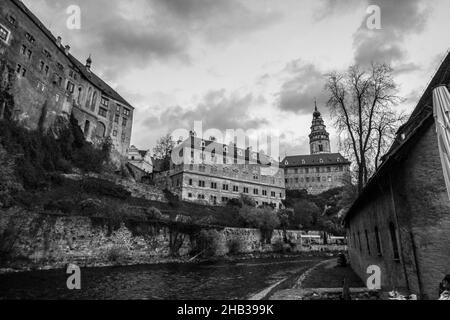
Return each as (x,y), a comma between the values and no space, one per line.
(141,159)
(213,173)
(319,171)
(47,82)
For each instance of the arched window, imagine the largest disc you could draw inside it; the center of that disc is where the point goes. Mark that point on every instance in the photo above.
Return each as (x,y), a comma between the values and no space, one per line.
(79,95)
(88,99)
(94,101)
(100,130)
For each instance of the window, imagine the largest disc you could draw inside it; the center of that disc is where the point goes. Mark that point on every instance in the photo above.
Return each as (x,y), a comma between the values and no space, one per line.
(29,37)
(46,53)
(41,66)
(103,112)
(40,86)
(60,66)
(104,102)
(124,122)
(393,232)
(116,118)
(4,33)
(190,182)
(255,191)
(189,195)
(245,190)
(213,185)
(46,69)
(115,133)
(235,189)
(367,242)
(94,101)
(273,194)
(126,112)
(70,87)
(201,184)
(377,238)
(12,20)
(23,50)
(264,192)
(225,187)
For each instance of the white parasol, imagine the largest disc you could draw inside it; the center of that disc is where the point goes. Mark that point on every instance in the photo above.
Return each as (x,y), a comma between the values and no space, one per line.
(441,110)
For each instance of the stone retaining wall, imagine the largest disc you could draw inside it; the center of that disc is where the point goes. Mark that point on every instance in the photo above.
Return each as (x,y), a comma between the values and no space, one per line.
(32,240)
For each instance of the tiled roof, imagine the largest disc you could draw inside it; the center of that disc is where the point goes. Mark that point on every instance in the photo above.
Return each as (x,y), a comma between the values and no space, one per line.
(322,159)
(94,79)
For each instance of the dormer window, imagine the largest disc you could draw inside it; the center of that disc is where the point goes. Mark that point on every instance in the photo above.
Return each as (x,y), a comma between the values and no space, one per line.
(321,160)
(126,112)
(225,149)
(303,162)
(240,153)
(203,144)
(338,159)
(286,163)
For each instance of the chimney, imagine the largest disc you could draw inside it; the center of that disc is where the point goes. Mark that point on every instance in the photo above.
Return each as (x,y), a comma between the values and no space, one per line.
(58,41)
(67,50)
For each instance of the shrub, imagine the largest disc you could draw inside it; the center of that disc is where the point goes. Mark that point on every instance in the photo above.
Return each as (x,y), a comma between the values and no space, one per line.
(153,213)
(279,246)
(103,187)
(117,253)
(235,246)
(209,243)
(265,219)
(65,205)
(58,149)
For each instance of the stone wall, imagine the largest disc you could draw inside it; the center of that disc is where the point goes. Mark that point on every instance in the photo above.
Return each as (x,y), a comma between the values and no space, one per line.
(32,240)
(419,208)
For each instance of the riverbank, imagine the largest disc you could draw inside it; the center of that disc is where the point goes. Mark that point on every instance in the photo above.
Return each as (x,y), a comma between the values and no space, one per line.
(36,241)
(189,261)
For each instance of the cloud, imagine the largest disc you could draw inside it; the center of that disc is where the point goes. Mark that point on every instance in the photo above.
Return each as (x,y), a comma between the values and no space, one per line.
(399,19)
(304,84)
(134,33)
(217,110)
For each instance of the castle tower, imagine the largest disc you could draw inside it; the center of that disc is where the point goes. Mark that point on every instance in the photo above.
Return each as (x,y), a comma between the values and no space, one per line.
(319,139)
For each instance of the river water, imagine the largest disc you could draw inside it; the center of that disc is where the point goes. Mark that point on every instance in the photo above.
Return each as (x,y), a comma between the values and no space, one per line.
(224,280)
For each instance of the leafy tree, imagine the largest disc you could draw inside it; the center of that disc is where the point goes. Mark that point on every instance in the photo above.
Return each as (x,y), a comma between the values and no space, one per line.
(305,214)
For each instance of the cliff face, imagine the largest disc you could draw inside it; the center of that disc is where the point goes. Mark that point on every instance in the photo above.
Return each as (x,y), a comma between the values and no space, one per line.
(31,240)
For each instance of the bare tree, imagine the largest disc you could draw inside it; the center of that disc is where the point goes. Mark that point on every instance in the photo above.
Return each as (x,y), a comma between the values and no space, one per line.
(361,102)
(163,150)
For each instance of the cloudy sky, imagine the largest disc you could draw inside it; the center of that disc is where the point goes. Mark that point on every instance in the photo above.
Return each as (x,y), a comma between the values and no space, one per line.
(246,64)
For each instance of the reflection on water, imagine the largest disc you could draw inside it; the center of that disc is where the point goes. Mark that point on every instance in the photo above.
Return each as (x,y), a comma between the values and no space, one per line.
(170,281)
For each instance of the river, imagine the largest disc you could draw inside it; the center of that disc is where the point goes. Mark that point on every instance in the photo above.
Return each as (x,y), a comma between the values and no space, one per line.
(223,280)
